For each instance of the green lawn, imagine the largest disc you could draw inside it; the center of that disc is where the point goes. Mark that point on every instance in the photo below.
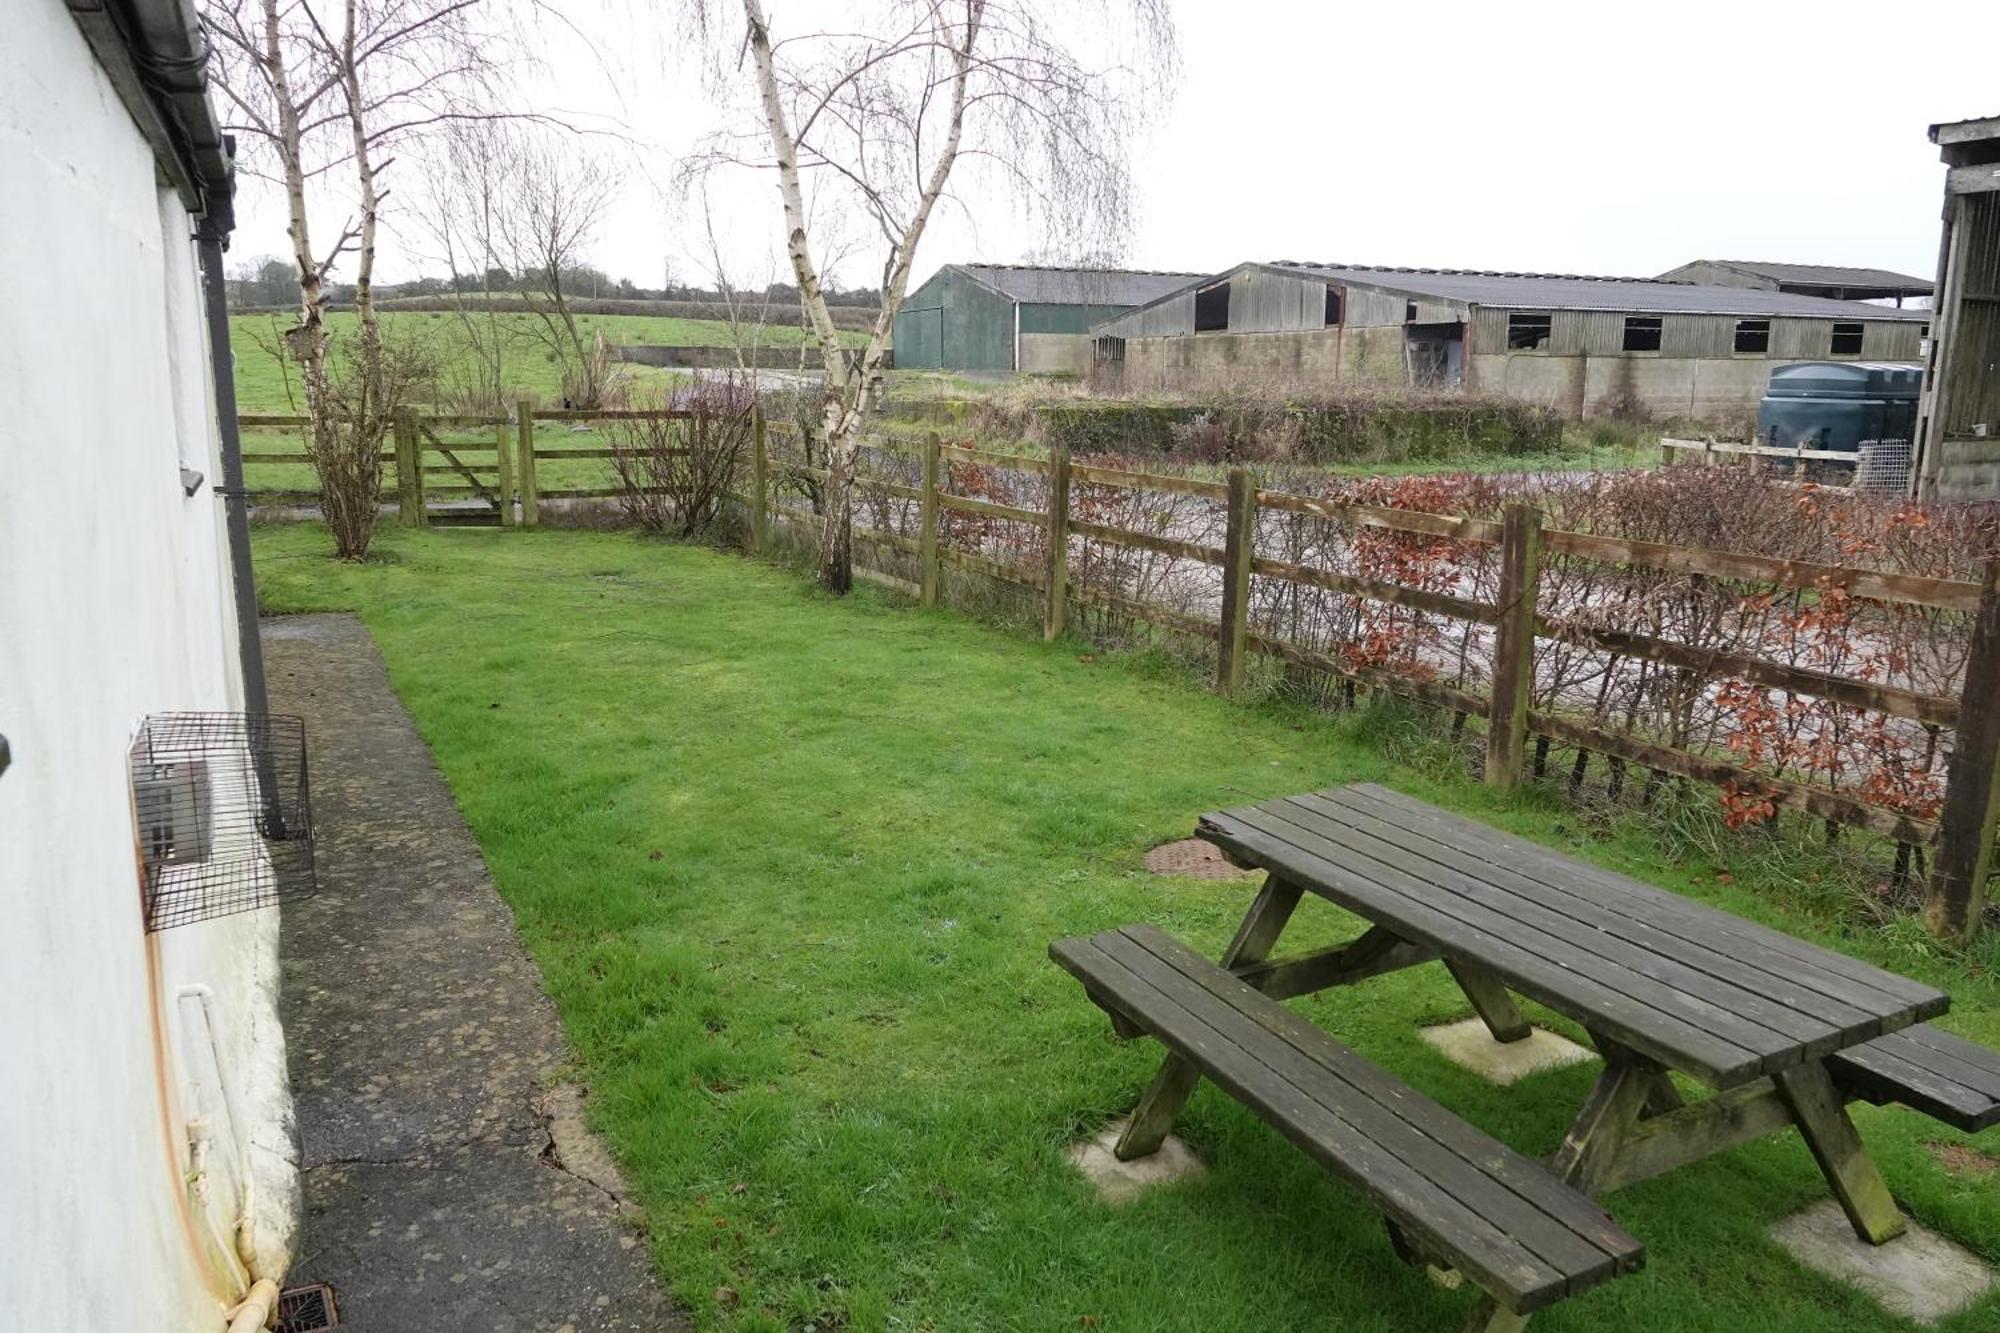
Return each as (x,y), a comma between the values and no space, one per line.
(790,866)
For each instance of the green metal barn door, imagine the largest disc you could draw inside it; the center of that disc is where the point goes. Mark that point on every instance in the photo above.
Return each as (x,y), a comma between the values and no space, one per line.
(920,339)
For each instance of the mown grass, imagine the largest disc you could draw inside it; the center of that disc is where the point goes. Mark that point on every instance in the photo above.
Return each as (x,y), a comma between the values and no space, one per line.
(790,865)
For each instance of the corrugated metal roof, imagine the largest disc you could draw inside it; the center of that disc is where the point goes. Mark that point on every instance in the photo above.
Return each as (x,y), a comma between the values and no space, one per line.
(1826,275)
(1569,291)
(1036,285)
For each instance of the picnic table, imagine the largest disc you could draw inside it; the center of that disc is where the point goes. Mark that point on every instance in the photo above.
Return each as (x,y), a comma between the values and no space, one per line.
(1782,1032)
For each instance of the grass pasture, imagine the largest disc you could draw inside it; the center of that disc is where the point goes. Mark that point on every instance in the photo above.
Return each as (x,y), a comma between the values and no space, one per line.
(261,382)
(789,867)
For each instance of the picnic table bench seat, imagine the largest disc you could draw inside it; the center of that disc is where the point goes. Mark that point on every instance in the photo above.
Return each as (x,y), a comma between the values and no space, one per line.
(1457,1196)
(1926,1069)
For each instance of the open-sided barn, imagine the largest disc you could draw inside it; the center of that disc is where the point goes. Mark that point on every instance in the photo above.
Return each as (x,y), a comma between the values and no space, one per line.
(1584,345)
(1016,317)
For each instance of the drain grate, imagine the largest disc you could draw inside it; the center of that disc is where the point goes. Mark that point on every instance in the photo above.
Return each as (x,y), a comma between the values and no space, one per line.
(1192,858)
(307,1309)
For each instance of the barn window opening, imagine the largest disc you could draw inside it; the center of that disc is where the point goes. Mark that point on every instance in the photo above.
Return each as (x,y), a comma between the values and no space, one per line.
(1642,333)
(1332,305)
(1527,330)
(1409,312)
(1846,340)
(1753,335)
(1211,308)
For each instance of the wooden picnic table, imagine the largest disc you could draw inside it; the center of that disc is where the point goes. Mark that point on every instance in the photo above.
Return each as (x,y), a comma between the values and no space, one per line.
(1782,1031)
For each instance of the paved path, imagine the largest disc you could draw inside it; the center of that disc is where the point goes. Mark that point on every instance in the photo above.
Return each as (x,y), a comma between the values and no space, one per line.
(446,1186)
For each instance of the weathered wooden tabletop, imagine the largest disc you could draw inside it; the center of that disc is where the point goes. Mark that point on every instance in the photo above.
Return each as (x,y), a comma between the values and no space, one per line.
(1698,990)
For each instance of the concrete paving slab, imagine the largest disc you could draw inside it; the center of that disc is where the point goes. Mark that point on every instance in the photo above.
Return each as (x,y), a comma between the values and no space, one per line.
(1121,1182)
(1920,1275)
(450,1182)
(1469,1045)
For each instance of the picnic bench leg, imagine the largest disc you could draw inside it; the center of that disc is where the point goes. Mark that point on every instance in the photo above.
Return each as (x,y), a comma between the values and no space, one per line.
(1614,1106)
(1490,1000)
(1177,1079)
(1493,1317)
(1822,1118)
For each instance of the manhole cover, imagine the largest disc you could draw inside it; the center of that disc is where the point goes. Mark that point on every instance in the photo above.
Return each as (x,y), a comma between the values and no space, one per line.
(1191,857)
(307,1309)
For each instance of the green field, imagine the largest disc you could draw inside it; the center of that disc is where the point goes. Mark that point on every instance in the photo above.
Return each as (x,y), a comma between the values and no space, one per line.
(790,865)
(262,385)
(261,382)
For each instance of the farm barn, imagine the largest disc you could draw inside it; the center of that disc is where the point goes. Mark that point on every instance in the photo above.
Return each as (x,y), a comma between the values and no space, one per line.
(1016,317)
(1832,281)
(1587,346)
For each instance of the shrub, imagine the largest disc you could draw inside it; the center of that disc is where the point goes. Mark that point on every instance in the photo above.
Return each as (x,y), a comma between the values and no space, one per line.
(673,472)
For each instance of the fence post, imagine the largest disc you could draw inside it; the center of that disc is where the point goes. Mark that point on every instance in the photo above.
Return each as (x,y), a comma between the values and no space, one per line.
(1799,460)
(1232,645)
(760,483)
(1055,609)
(1513,645)
(409,471)
(503,473)
(524,435)
(927,524)
(1955,896)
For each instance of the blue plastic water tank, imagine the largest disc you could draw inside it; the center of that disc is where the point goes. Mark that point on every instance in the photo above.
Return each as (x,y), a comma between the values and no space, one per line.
(1838,404)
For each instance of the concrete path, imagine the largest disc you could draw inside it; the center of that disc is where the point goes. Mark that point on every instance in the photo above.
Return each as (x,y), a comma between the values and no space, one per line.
(449,1183)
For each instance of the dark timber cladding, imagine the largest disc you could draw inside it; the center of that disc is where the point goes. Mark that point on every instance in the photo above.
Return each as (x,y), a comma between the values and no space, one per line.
(1719,998)
(1504,1220)
(1958,419)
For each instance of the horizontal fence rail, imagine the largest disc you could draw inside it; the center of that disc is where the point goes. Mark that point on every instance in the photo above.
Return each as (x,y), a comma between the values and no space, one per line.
(1252,570)
(1499,625)
(502,473)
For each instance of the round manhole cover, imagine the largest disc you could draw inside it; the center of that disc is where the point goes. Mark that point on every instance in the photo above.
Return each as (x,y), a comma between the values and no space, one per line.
(1191,857)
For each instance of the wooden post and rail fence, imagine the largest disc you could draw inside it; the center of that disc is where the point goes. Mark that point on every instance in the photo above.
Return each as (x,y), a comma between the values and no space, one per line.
(1960,838)
(510,478)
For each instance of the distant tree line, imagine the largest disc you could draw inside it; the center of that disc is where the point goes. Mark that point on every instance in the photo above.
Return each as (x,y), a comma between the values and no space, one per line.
(268,282)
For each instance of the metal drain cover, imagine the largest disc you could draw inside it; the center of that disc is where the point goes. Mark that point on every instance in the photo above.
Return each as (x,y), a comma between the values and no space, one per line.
(307,1309)
(1192,858)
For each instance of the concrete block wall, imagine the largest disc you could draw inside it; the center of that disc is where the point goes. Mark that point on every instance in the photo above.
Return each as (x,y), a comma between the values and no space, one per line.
(1264,360)
(1055,353)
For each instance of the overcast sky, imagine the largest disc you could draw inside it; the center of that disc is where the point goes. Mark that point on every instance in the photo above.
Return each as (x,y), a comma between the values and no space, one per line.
(1580,138)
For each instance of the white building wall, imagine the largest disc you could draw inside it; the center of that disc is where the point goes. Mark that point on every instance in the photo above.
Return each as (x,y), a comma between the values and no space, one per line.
(114,603)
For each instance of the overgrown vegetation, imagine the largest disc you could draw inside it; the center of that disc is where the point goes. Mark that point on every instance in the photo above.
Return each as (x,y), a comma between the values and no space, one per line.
(790,866)
(673,473)
(1353,425)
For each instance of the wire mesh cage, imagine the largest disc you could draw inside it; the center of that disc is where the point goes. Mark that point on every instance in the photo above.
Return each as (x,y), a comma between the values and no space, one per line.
(224,816)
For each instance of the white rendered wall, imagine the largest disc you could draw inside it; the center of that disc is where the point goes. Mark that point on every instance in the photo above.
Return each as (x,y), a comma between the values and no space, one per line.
(114,603)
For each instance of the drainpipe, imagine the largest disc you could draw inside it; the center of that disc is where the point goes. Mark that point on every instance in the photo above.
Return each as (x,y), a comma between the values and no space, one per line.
(236,505)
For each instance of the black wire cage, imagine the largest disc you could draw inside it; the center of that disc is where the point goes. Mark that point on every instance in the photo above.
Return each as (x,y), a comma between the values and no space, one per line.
(224,814)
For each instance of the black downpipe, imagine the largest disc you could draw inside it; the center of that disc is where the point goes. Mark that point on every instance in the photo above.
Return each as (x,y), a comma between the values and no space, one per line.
(236,504)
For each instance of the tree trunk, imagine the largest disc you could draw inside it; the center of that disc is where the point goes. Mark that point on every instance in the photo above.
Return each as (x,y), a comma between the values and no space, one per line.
(836,532)
(848,385)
